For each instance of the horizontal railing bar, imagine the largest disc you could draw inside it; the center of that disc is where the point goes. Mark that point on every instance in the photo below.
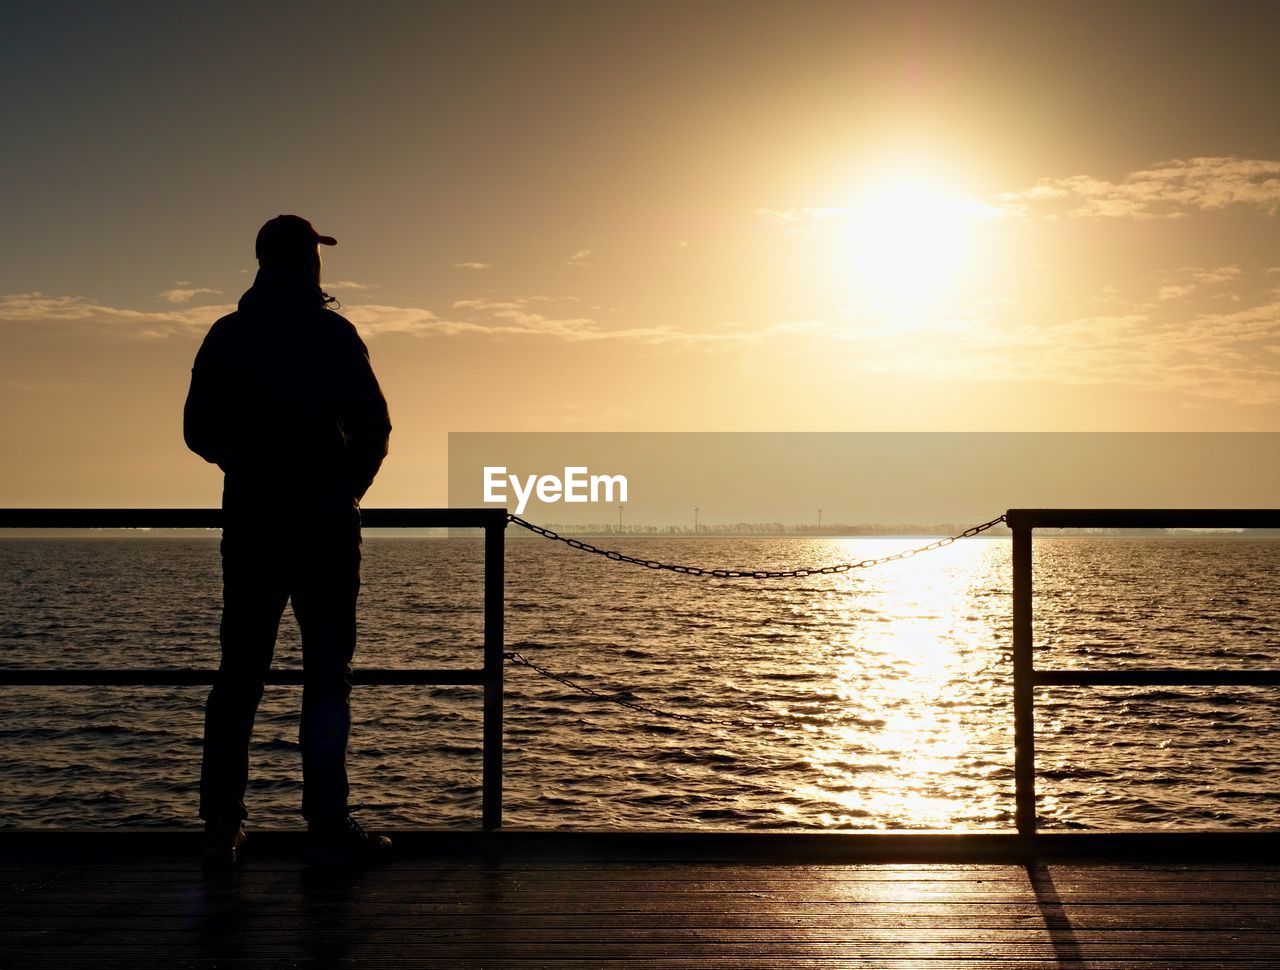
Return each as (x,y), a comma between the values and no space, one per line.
(110,518)
(189,677)
(476,518)
(1157,677)
(433,518)
(414,518)
(1144,518)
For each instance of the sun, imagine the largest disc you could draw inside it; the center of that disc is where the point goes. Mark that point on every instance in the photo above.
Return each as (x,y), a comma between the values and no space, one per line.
(908,241)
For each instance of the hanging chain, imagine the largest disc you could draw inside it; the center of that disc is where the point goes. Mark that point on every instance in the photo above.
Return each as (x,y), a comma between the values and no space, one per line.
(750,573)
(611,697)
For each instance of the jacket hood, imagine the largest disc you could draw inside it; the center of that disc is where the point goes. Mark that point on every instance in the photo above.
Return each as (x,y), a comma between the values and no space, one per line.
(272,292)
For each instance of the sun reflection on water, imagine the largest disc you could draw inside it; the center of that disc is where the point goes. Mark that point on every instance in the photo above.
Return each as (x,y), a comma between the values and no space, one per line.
(891,757)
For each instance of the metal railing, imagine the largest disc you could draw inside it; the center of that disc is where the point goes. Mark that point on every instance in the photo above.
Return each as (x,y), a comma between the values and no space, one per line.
(1026,678)
(1021,522)
(489,676)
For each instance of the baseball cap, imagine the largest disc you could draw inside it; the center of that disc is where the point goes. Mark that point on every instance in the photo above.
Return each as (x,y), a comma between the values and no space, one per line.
(286,236)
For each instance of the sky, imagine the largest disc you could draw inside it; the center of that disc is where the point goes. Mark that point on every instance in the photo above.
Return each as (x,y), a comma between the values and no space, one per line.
(642,217)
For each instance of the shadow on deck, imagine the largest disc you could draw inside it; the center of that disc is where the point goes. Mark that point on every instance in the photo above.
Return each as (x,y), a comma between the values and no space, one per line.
(522,899)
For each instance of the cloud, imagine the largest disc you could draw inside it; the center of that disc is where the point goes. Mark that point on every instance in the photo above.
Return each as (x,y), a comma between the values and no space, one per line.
(1206,350)
(1168,190)
(1220,274)
(183,292)
(1219,355)
(493,319)
(375,320)
(1184,282)
(41,309)
(801,219)
(349,285)
(483,304)
(580,258)
(551,318)
(473,265)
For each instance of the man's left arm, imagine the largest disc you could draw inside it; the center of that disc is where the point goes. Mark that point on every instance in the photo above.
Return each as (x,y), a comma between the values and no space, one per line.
(367,422)
(204,415)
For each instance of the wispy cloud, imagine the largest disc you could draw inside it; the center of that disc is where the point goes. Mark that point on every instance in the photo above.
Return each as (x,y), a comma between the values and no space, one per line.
(1227,355)
(1168,190)
(581,258)
(1168,345)
(184,292)
(552,318)
(480,303)
(350,285)
(800,219)
(1213,275)
(473,265)
(529,317)
(39,308)
(1209,281)
(495,319)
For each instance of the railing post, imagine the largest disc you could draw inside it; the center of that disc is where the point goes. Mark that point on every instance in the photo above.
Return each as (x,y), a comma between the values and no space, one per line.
(1024,728)
(494,659)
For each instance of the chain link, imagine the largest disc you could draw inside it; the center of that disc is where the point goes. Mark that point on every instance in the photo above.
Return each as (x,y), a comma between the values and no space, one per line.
(750,573)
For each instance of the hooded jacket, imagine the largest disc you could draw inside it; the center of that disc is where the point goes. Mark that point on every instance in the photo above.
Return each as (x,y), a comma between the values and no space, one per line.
(284,400)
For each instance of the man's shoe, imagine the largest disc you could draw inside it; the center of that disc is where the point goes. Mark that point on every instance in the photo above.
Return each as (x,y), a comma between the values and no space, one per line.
(344,843)
(223,846)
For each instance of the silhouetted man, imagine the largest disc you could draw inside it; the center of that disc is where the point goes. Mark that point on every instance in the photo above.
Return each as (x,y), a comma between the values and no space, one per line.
(284,401)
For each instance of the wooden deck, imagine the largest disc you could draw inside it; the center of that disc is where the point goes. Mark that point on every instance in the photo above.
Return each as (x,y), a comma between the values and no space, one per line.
(110,902)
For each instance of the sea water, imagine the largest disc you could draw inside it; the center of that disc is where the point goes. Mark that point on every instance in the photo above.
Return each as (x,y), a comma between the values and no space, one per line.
(874,699)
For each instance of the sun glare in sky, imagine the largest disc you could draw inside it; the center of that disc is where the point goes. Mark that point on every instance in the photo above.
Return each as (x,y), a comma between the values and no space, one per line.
(808,216)
(907,242)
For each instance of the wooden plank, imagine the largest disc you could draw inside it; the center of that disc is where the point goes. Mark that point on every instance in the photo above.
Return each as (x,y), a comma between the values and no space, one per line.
(384,950)
(413,863)
(162,911)
(675,878)
(723,893)
(1076,883)
(93,959)
(265,928)
(786,848)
